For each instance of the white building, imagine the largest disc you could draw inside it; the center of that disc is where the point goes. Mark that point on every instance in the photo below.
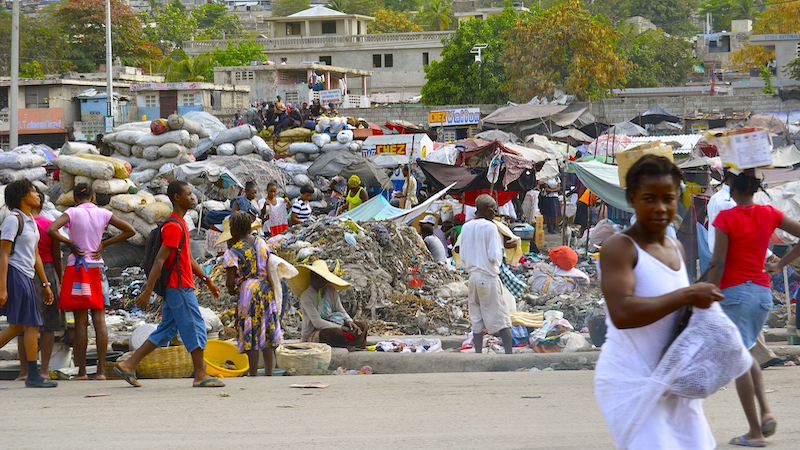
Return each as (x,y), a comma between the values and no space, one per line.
(324,36)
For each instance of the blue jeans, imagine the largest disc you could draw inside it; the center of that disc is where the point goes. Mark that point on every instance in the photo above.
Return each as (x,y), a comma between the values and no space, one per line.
(181,314)
(748,306)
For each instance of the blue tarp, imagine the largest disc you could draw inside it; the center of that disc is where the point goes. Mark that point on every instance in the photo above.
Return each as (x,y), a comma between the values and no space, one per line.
(603,180)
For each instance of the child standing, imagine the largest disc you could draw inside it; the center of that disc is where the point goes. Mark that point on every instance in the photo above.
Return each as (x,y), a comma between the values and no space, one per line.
(19,263)
(256,310)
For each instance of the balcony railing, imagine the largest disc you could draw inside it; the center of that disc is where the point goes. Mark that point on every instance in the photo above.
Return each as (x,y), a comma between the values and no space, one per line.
(288,43)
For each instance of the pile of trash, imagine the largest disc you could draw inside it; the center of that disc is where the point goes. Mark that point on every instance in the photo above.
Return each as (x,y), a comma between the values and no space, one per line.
(392,275)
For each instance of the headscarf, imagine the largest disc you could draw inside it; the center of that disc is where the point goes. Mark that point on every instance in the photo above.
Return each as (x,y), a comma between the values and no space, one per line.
(354,181)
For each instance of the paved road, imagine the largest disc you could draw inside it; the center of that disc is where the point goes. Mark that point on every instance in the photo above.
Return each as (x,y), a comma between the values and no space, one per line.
(429,411)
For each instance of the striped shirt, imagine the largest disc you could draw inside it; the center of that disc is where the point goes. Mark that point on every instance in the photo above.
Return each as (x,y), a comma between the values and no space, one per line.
(301,209)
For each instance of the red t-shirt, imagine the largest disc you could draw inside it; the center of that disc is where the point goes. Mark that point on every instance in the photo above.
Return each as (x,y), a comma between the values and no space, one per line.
(45,241)
(749,229)
(171,235)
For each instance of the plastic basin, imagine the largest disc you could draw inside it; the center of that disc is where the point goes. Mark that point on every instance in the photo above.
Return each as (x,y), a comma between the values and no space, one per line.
(217,353)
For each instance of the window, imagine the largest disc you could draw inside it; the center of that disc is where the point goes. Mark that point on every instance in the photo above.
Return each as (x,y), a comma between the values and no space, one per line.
(4,97)
(376,61)
(36,97)
(293,29)
(326,60)
(283,60)
(722,44)
(283,75)
(328,27)
(358,27)
(300,78)
(425,60)
(388,60)
(150,100)
(246,75)
(187,99)
(292,97)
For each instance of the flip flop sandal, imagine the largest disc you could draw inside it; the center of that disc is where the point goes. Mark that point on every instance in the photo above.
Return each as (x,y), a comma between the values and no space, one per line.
(768,428)
(129,377)
(745,443)
(208,383)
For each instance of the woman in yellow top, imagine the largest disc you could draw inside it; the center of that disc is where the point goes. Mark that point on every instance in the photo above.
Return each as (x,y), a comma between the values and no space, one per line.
(356,194)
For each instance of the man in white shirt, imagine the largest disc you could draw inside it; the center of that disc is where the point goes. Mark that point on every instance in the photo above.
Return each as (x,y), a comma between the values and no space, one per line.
(717,203)
(481,251)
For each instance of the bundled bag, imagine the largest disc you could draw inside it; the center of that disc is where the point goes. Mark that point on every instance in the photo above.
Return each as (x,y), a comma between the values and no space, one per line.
(81,288)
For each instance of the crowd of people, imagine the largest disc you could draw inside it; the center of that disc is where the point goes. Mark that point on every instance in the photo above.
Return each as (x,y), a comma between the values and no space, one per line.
(283,116)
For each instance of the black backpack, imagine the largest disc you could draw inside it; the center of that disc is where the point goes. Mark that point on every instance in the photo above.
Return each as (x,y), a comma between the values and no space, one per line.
(19,231)
(151,248)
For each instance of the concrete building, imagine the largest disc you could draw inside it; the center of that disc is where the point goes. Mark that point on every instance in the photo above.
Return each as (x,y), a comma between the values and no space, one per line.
(321,35)
(50,108)
(786,48)
(714,49)
(298,83)
(640,24)
(155,100)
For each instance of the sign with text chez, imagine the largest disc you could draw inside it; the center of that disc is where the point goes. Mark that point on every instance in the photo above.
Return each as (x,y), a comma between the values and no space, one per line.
(453,117)
(41,120)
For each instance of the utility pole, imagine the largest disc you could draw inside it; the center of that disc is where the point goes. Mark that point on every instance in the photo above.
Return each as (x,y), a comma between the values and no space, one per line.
(13,123)
(108,124)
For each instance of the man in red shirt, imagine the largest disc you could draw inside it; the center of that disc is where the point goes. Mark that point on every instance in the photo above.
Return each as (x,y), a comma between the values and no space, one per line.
(181,312)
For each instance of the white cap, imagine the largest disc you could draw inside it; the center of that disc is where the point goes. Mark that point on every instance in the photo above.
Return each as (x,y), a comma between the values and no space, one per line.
(429,219)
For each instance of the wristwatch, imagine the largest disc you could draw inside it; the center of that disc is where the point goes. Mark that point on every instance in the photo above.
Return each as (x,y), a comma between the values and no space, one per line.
(46,284)
(205,279)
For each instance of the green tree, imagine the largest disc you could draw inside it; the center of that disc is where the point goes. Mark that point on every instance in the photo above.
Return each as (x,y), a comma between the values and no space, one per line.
(337,5)
(767,77)
(363,7)
(724,11)
(285,8)
(658,59)
(437,15)
(208,14)
(31,70)
(674,17)
(178,5)
(403,5)
(793,69)
(456,79)
(178,66)
(613,10)
(239,54)
(779,17)
(388,21)
(83,24)
(562,48)
(40,40)
(173,26)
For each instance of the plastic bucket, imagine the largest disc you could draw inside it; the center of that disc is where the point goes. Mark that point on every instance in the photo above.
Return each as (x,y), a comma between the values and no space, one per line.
(61,356)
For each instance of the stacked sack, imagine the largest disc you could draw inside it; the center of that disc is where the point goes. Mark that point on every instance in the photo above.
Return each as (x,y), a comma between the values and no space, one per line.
(151,147)
(298,135)
(322,143)
(143,211)
(296,176)
(242,141)
(23,162)
(80,164)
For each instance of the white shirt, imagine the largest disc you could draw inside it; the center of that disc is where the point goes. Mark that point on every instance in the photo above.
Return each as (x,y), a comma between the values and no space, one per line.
(717,203)
(481,247)
(507,210)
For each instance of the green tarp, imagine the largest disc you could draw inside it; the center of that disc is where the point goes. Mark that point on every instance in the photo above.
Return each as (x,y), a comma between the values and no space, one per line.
(603,180)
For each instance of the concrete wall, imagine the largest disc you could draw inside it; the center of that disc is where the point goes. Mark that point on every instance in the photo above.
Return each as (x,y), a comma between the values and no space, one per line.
(610,110)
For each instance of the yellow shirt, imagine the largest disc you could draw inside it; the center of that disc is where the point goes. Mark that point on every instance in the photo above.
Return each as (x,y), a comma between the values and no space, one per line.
(354,200)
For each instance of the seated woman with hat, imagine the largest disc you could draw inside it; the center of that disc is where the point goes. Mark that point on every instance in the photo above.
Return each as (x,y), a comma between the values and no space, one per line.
(324,318)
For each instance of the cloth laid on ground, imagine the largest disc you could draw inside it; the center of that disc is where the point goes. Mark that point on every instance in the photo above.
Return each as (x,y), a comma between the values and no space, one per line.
(514,285)
(603,180)
(551,279)
(421,345)
(491,343)
(526,319)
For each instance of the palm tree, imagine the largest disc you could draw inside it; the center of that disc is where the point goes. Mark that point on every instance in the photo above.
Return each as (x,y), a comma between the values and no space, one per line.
(337,5)
(178,66)
(437,14)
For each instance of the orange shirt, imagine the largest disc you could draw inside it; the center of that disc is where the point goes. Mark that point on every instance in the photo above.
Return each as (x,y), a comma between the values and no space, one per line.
(588,198)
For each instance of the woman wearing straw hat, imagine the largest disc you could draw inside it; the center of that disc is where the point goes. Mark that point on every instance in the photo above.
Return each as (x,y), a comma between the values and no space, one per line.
(324,318)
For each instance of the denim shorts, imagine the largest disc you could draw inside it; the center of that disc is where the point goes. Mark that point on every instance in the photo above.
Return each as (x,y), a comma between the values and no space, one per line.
(181,314)
(748,306)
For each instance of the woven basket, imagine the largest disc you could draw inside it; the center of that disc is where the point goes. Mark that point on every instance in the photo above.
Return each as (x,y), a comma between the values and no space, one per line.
(305,358)
(166,362)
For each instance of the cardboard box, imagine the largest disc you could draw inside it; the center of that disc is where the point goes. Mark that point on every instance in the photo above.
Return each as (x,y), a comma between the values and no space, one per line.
(745,148)
(626,158)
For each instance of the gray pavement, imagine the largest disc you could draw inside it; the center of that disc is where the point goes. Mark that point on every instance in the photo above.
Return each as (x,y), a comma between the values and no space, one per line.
(548,409)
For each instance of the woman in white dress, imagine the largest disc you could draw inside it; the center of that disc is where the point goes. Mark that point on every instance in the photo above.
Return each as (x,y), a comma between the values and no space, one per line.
(645,284)
(273,209)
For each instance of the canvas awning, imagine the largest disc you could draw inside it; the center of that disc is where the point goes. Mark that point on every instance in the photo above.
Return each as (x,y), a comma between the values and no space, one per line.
(603,180)
(655,114)
(520,113)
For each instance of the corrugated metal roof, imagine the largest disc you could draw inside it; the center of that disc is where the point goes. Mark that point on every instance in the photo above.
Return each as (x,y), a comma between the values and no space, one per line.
(682,144)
